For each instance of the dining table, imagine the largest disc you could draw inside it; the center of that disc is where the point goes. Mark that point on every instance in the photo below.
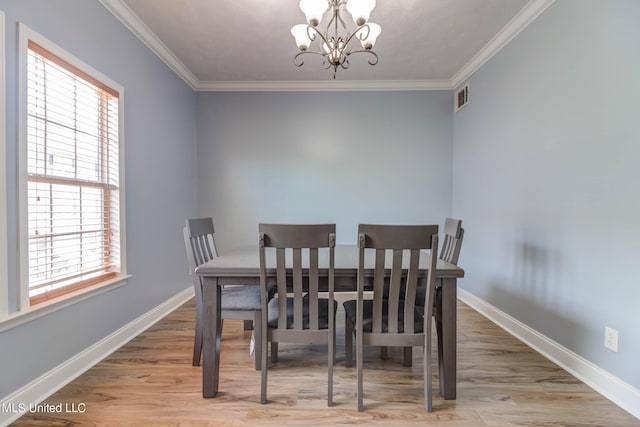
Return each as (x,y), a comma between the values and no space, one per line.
(241,266)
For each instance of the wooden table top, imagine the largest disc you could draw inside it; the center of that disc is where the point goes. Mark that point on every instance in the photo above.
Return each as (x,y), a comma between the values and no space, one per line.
(245,262)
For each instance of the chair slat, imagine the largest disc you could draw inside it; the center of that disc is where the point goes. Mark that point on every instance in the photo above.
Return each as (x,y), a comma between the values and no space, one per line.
(209,250)
(452,241)
(197,258)
(281,278)
(313,288)
(378,287)
(297,289)
(410,299)
(394,290)
(447,247)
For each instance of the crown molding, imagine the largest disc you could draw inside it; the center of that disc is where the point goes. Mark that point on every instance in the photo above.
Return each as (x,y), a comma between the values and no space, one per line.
(120,10)
(322,85)
(528,14)
(518,23)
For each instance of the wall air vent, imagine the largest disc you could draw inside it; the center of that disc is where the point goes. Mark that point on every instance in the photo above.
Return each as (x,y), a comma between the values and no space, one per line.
(461,97)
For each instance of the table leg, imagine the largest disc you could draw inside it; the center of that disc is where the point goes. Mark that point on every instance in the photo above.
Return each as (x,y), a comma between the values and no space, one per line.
(211,295)
(449,326)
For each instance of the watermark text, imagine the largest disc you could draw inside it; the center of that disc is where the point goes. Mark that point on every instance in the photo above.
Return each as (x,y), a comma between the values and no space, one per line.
(46,408)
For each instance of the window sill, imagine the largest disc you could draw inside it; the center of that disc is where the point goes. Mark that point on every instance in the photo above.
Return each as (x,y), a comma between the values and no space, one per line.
(48,307)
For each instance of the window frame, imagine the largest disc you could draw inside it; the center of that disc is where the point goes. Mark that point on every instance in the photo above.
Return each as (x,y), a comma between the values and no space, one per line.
(24,305)
(4,248)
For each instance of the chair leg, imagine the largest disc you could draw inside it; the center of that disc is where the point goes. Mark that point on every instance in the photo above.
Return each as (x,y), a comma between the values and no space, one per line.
(274,352)
(248,325)
(331,359)
(257,335)
(440,353)
(407,360)
(408,356)
(197,339)
(384,353)
(264,365)
(359,363)
(439,333)
(348,342)
(427,370)
(334,345)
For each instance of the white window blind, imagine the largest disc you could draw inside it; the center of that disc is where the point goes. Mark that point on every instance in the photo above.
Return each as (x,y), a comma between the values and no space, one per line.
(72,177)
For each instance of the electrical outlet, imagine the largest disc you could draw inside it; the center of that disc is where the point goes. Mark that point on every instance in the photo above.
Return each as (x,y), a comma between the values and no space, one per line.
(611,339)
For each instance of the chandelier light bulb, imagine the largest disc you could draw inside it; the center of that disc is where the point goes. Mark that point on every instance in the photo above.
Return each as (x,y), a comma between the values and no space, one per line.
(334,50)
(301,33)
(313,10)
(360,10)
(368,36)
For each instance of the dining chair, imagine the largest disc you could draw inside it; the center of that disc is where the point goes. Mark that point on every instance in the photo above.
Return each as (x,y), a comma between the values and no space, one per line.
(392,321)
(449,252)
(237,302)
(296,314)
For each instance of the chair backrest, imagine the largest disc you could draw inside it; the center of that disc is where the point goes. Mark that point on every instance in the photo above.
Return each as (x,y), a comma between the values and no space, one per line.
(199,241)
(452,242)
(400,239)
(297,250)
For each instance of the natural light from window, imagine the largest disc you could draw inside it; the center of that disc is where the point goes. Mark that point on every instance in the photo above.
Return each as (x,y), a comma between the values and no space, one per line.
(72,177)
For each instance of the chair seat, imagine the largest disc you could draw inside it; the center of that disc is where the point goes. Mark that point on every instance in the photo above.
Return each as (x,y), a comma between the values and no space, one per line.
(367,324)
(323,313)
(245,298)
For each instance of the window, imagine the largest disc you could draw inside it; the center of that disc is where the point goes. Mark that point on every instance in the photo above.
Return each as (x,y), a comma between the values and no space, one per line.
(72,147)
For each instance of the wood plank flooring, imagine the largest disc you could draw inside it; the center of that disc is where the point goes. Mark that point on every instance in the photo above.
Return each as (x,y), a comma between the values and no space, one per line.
(150,381)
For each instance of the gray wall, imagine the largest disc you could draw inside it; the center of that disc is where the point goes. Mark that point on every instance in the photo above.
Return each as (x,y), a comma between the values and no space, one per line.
(160,154)
(546,178)
(344,157)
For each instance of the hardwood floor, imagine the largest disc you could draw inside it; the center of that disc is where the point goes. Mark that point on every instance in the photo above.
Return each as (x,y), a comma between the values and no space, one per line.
(150,381)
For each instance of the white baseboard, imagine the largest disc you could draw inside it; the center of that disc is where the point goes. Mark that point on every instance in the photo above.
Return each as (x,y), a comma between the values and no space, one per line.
(44,386)
(613,388)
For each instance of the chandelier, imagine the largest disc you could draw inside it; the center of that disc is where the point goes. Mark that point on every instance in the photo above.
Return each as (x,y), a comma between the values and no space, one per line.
(334,43)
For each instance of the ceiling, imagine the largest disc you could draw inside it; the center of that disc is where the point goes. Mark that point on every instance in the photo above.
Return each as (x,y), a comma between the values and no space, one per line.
(247,45)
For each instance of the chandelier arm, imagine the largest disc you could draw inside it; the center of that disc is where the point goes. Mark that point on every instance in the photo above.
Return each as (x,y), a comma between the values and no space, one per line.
(312,34)
(331,21)
(336,19)
(352,35)
(318,33)
(344,24)
(299,54)
(371,61)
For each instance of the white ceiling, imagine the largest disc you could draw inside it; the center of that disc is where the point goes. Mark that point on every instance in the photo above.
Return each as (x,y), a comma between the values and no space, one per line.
(246,44)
